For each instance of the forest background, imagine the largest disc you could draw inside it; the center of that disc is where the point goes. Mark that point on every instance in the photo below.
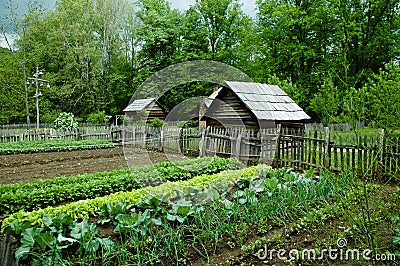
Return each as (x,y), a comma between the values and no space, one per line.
(338,59)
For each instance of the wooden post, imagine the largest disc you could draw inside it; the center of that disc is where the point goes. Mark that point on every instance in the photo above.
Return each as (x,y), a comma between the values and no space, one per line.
(202,145)
(381,147)
(327,157)
(161,143)
(238,145)
(275,160)
(6,252)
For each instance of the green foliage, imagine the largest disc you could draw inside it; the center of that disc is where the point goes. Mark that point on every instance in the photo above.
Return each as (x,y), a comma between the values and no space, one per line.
(156,122)
(44,246)
(326,103)
(58,190)
(153,226)
(65,121)
(377,102)
(174,172)
(85,208)
(189,124)
(307,41)
(217,26)
(93,53)
(98,117)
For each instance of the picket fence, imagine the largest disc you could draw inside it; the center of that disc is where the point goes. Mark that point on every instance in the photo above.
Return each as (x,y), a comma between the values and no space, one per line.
(363,154)
(185,140)
(85,132)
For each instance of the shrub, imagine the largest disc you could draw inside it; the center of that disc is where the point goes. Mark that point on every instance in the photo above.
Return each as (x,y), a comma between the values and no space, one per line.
(98,117)
(65,121)
(156,122)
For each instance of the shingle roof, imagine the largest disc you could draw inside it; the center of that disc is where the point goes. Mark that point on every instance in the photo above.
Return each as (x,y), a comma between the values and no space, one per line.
(266,102)
(138,105)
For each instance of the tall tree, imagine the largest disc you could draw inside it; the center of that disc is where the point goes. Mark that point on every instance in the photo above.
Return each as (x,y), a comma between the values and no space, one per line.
(20,25)
(312,42)
(215,27)
(366,37)
(158,34)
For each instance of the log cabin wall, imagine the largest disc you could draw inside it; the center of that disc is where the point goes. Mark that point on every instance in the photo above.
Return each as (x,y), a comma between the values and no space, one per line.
(155,111)
(230,111)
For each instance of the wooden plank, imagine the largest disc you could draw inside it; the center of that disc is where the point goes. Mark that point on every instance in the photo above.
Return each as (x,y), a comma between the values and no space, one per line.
(353,153)
(327,155)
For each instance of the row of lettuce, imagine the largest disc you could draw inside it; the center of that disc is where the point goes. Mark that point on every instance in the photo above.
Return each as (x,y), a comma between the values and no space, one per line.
(56,145)
(60,190)
(157,220)
(89,207)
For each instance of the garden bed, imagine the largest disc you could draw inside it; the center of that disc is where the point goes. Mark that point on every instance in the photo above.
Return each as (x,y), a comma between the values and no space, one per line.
(219,219)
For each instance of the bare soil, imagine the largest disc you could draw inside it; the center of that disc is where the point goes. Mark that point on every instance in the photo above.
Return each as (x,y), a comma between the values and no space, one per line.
(20,168)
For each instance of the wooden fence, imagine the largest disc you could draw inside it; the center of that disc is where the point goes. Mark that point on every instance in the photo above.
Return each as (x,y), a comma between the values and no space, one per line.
(362,154)
(6,252)
(247,145)
(13,134)
(185,140)
(370,154)
(311,127)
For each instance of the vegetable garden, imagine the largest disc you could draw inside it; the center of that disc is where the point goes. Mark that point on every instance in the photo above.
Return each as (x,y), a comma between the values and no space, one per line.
(204,211)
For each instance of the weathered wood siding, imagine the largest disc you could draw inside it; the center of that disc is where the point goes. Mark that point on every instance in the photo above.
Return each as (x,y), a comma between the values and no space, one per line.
(153,111)
(230,111)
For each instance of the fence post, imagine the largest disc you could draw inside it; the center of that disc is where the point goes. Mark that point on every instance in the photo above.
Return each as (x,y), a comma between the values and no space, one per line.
(6,257)
(381,154)
(238,145)
(161,143)
(276,159)
(202,143)
(327,157)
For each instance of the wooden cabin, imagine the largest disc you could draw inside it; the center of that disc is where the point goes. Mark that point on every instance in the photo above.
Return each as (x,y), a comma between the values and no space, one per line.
(253,106)
(142,108)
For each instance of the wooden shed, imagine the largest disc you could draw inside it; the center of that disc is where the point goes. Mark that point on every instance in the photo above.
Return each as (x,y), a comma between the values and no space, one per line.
(254,106)
(150,108)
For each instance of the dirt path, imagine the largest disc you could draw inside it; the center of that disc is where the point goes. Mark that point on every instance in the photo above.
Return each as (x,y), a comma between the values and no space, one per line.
(28,167)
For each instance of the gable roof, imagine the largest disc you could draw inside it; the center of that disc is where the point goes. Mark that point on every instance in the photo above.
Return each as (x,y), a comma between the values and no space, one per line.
(266,102)
(212,97)
(138,105)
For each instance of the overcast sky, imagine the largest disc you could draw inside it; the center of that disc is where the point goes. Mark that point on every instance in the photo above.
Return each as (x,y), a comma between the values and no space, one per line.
(248,7)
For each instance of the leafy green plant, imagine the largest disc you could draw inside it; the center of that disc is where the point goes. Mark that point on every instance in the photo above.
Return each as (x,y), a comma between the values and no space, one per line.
(181,210)
(108,212)
(89,207)
(51,192)
(98,117)
(52,146)
(164,221)
(65,121)
(156,122)
(45,245)
(139,222)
